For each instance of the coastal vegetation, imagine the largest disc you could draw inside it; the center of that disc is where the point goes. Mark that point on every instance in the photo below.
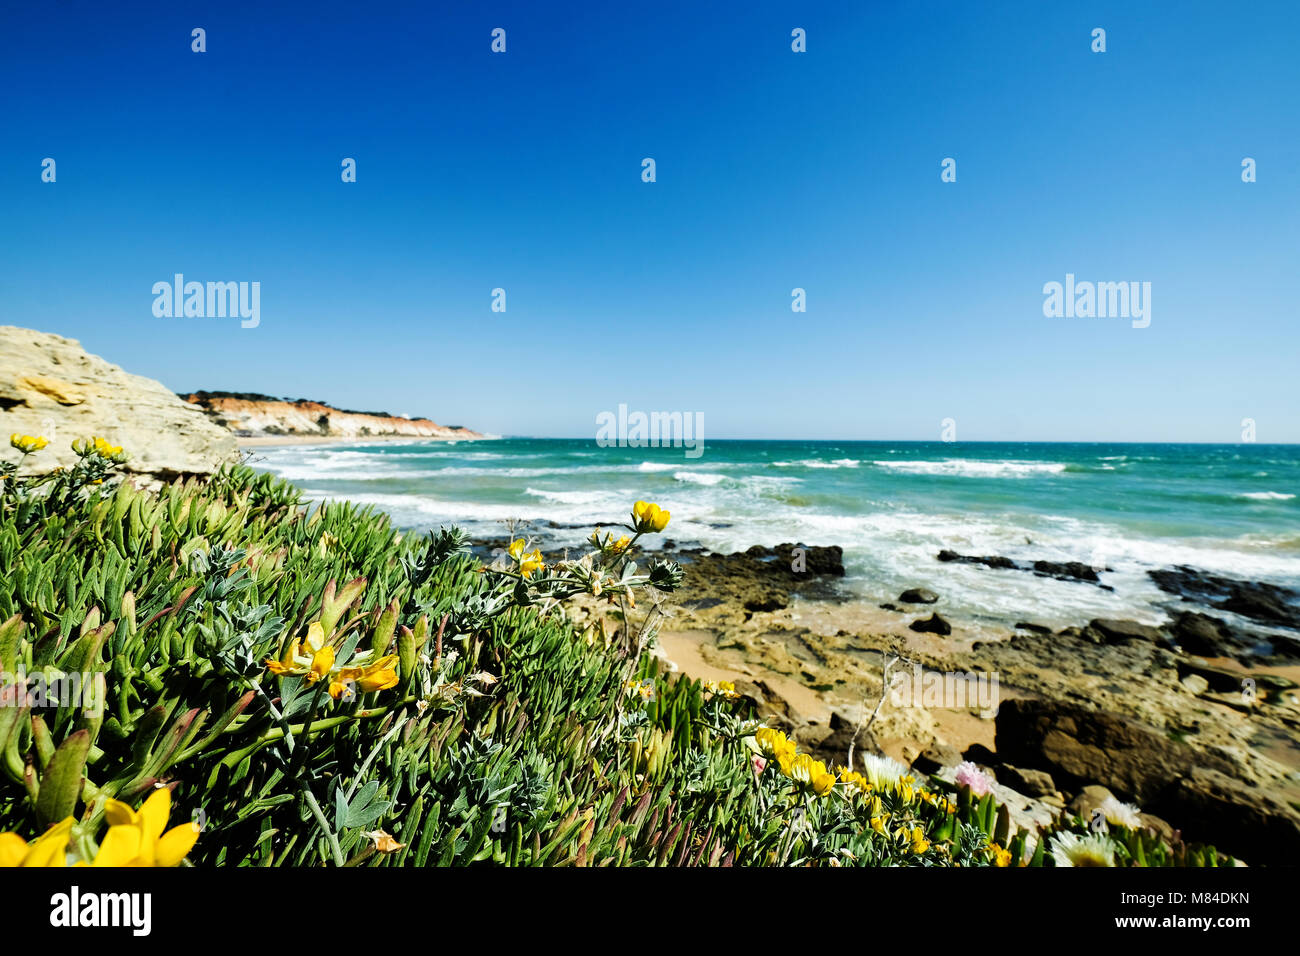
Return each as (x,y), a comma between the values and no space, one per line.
(307,685)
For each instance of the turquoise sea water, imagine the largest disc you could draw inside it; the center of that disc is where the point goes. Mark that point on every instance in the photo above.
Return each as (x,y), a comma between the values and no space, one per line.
(891,505)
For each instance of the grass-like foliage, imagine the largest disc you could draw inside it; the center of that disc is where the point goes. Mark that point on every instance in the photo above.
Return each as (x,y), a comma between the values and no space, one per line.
(299,685)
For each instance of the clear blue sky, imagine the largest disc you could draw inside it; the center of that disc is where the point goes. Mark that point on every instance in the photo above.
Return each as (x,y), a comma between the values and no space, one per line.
(775,170)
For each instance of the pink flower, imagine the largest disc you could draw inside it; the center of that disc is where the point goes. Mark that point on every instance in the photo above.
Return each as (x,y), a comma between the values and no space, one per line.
(759,764)
(972,776)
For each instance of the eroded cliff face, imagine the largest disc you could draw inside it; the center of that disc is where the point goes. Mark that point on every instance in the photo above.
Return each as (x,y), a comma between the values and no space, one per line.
(257,417)
(50,386)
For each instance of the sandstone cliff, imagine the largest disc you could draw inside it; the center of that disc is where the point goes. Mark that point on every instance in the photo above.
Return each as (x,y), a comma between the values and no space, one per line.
(257,416)
(50,386)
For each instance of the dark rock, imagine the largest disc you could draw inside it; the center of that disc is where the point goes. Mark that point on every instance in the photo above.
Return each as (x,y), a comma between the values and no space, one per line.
(1067,569)
(1035,628)
(1078,746)
(833,748)
(982,757)
(934,624)
(1219,679)
(1210,807)
(814,560)
(993,561)
(1116,632)
(935,757)
(889,607)
(1032,783)
(1204,635)
(1261,605)
(918,596)
(1061,570)
(1256,600)
(770,603)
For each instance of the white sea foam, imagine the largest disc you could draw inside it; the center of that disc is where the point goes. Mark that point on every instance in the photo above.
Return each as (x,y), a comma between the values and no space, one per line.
(594,497)
(974,468)
(699,477)
(1266,496)
(818,463)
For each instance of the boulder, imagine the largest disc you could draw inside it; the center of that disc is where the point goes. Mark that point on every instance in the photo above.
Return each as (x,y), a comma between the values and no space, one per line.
(50,386)
(1204,635)
(1115,632)
(1076,570)
(918,596)
(933,624)
(1088,799)
(1258,601)
(935,757)
(1078,746)
(828,560)
(1211,807)
(1032,783)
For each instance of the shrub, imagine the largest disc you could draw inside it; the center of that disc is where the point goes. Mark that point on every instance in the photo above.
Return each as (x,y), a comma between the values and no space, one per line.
(310,686)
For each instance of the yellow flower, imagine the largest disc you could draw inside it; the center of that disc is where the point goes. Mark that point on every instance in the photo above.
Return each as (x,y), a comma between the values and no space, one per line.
(648,517)
(773,743)
(807,772)
(854,779)
(721,688)
(99,446)
(1001,857)
(608,544)
(322,662)
(136,838)
(878,824)
(28,443)
(48,849)
(528,561)
(315,658)
(822,781)
(380,675)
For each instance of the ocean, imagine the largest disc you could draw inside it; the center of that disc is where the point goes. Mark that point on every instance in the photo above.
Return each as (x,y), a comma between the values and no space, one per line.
(892,506)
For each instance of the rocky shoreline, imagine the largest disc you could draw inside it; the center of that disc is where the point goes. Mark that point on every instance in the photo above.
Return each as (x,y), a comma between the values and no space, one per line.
(1196,720)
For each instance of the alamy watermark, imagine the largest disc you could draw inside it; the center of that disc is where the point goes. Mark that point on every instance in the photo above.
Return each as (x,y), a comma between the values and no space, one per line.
(651,430)
(972,690)
(212,300)
(1099,300)
(39,690)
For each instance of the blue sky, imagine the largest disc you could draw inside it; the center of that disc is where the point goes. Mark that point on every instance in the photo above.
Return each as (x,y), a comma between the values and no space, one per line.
(775,170)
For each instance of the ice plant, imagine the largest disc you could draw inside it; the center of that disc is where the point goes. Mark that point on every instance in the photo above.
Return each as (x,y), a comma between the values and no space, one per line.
(648,517)
(1071,849)
(969,775)
(1121,814)
(882,773)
